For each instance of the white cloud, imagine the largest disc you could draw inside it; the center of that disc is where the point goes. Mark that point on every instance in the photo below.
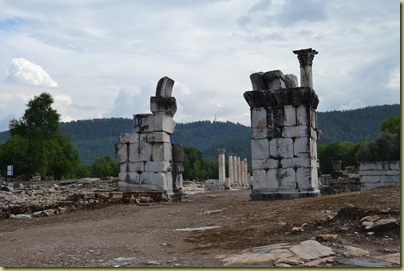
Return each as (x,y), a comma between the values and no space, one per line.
(24,71)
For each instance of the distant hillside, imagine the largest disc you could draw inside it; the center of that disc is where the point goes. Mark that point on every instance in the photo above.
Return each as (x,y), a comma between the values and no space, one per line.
(95,138)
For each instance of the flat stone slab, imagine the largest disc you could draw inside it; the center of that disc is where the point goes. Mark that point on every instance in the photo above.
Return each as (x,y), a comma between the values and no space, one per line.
(363,262)
(311,250)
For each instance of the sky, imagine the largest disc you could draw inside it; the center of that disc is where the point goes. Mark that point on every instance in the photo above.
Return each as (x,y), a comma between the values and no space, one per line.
(102,59)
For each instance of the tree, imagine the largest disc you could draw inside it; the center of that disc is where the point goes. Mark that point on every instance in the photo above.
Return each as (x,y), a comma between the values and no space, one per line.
(36,143)
(390,125)
(105,166)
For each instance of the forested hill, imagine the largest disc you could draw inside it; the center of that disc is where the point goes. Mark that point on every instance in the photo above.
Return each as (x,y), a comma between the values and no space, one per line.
(95,138)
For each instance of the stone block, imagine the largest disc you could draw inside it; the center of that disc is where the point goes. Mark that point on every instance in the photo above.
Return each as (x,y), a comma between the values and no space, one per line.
(301,115)
(136,167)
(164,87)
(123,176)
(394,165)
(156,179)
(290,115)
(281,148)
(160,166)
(295,131)
(121,152)
(132,137)
(260,149)
(257,81)
(302,162)
(161,152)
(116,195)
(286,178)
(265,164)
(133,178)
(158,137)
(259,117)
(314,134)
(291,81)
(261,133)
(255,98)
(274,79)
(313,119)
(304,178)
(123,167)
(301,147)
(163,105)
(140,152)
(163,123)
(260,179)
(276,116)
(143,123)
(178,153)
(273,182)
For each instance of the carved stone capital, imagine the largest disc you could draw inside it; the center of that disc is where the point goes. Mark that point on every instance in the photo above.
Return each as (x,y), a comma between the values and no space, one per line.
(305,56)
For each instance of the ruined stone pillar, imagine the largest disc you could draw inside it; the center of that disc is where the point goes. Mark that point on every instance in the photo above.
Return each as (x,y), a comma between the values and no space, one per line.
(235,181)
(231,177)
(284,135)
(222,169)
(239,181)
(305,57)
(245,171)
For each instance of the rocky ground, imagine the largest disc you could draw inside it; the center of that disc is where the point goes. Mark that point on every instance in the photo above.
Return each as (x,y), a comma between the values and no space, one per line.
(206,229)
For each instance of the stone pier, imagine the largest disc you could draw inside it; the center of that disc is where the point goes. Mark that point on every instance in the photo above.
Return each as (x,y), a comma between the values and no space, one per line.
(222,169)
(231,171)
(284,133)
(148,161)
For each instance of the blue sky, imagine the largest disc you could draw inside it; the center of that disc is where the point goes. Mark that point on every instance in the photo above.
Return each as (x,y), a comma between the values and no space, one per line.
(104,58)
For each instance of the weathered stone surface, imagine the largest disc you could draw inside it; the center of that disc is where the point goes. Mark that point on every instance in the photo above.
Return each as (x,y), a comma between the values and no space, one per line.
(121,152)
(351,251)
(274,80)
(143,123)
(364,262)
(161,152)
(158,137)
(327,237)
(256,98)
(281,148)
(163,123)
(291,81)
(160,166)
(164,87)
(257,81)
(311,250)
(140,152)
(394,258)
(165,105)
(385,224)
(260,148)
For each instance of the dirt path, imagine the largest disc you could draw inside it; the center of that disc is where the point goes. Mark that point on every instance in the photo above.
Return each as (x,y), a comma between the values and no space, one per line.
(164,235)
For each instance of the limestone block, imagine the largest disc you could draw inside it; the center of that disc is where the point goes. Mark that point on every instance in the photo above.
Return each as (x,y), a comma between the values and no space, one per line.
(140,152)
(255,98)
(301,115)
(143,123)
(164,87)
(123,177)
(290,115)
(163,123)
(163,105)
(274,79)
(178,154)
(133,178)
(260,149)
(286,178)
(276,116)
(304,178)
(259,117)
(313,148)
(272,181)
(260,179)
(157,179)
(313,134)
(281,148)
(264,163)
(124,138)
(161,152)
(158,137)
(121,151)
(267,132)
(160,166)
(295,131)
(301,147)
(136,167)
(257,81)
(123,167)
(168,185)
(394,165)
(132,137)
(313,119)
(291,81)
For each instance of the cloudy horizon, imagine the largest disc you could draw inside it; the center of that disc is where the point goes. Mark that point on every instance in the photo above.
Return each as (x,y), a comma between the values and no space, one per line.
(104,58)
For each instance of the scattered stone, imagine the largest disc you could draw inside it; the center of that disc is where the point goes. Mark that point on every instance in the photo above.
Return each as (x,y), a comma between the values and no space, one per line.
(350,262)
(152,262)
(327,237)
(394,258)
(385,224)
(210,212)
(320,262)
(20,216)
(289,261)
(299,229)
(198,229)
(351,251)
(370,218)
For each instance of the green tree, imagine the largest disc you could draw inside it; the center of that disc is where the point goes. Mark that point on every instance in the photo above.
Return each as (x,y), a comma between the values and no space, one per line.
(36,143)
(105,166)
(391,125)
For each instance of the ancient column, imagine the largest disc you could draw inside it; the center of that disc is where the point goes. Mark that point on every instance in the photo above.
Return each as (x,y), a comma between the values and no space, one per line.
(284,133)
(235,180)
(245,171)
(239,181)
(305,57)
(222,169)
(231,177)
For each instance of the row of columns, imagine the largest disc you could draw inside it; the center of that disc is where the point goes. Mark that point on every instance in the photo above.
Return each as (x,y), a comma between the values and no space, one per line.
(237,171)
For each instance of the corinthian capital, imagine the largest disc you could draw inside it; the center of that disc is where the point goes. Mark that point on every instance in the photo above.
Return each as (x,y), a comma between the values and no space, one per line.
(305,56)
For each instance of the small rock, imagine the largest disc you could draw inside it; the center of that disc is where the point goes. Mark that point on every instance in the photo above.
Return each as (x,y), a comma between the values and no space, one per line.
(20,216)
(320,262)
(152,262)
(385,224)
(327,237)
(311,250)
(370,218)
(351,251)
(392,258)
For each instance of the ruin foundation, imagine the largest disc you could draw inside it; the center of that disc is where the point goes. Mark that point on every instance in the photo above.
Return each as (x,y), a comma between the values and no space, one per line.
(284,133)
(148,161)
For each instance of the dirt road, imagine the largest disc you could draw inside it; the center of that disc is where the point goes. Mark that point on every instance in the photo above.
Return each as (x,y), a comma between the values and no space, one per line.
(198,232)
